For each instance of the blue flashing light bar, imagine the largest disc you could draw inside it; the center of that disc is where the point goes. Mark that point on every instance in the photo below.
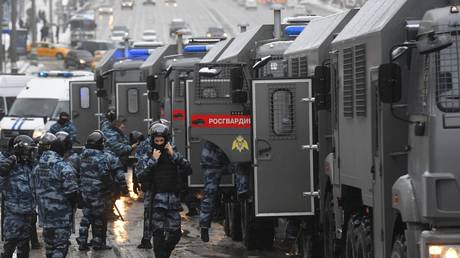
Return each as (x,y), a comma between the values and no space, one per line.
(45,74)
(132,54)
(197,48)
(293,31)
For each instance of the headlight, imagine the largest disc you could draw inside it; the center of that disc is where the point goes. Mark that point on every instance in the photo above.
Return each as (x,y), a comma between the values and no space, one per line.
(82,61)
(444,251)
(38,133)
(209,35)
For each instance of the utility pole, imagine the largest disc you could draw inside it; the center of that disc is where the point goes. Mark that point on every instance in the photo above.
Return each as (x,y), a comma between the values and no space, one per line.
(13,38)
(51,21)
(2,55)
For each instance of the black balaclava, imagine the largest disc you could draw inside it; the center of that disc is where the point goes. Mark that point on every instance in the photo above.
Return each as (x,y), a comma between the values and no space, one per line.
(63,118)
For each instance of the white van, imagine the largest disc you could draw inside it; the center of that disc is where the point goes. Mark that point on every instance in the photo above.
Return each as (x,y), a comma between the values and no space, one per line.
(38,105)
(10,87)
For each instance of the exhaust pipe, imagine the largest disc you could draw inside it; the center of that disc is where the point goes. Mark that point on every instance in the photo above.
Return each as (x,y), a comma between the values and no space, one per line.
(180,43)
(277,23)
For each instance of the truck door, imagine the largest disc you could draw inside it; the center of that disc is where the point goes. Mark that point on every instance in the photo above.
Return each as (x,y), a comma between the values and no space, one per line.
(83,108)
(178,114)
(132,105)
(211,116)
(282,139)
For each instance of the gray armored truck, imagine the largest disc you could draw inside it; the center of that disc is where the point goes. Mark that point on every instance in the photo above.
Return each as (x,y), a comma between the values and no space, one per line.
(222,105)
(390,88)
(118,84)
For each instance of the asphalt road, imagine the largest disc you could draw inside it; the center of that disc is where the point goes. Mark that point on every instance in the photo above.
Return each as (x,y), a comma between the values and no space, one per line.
(199,14)
(124,236)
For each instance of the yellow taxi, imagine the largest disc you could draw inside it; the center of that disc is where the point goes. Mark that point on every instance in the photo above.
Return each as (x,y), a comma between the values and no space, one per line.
(45,49)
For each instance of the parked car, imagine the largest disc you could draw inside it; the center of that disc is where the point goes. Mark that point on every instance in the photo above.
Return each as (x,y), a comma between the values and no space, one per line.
(147,44)
(216,32)
(118,35)
(151,2)
(78,59)
(45,49)
(127,4)
(95,45)
(105,10)
(149,35)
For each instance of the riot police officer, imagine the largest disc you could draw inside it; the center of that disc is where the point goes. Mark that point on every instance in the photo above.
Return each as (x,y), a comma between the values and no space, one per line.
(161,165)
(145,147)
(214,163)
(18,203)
(57,192)
(100,171)
(117,142)
(64,124)
(72,157)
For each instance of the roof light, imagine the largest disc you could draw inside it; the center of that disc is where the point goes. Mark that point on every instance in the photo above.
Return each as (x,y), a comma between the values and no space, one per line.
(454,9)
(197,48)
(46,74)
(293,31)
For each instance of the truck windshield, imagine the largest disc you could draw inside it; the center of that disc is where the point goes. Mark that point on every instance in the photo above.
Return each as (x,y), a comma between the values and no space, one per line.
(33,107)
(447,76)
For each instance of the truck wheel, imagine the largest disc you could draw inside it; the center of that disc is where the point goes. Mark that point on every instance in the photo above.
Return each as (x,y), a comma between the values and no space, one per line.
(332,246)
(364,237)
(399,249)
(265,233)
(248,226)
(235,221)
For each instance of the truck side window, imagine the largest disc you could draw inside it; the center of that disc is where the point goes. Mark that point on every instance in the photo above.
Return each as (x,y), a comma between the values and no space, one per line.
(447,78)
(282,110)
(84,98)
(133,101)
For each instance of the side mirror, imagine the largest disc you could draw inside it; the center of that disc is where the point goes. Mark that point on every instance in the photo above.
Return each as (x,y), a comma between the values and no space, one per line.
(153,96)
(389,83)
(209,72)
(151,82)
(239,97)
(322,80)
(432,43)
(99,81)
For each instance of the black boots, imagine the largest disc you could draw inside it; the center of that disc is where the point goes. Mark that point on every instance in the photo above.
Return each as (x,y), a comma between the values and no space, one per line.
(205,234)
(145,244)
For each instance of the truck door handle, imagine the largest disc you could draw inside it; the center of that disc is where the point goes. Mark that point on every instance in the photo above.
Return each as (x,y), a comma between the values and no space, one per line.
(264,153)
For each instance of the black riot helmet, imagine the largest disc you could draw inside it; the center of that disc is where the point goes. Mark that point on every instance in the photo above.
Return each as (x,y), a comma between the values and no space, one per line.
(24,149)
(160,130)
(95,140)
(136,137)
(62,144)
(45,142)
(162,121)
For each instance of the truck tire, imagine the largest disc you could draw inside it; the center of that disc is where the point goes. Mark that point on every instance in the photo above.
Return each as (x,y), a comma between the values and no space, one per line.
(399,249)
(332,246)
